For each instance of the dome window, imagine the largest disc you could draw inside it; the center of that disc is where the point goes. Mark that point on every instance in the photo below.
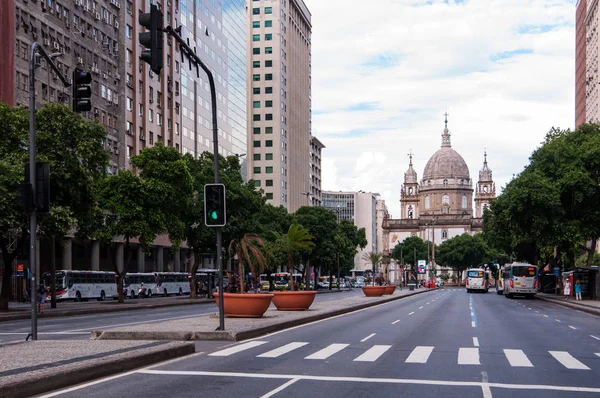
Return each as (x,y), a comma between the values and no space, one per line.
(464,201)
(427,202)
(445,183)
(446,200)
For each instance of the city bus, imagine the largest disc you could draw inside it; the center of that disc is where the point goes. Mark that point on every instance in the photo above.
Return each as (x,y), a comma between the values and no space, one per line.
(133,281)
(477,280)
(520,279)
(83,285)
(499,282)
(172,283)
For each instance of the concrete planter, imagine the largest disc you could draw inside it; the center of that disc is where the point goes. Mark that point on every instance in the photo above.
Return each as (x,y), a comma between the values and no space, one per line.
(373,291)
(300,300)
(248,305)
(390,289)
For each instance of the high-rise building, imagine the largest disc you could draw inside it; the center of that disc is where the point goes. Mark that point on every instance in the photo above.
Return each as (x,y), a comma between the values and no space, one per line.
(360,208)
(279,100)
(315,171)
(586,63)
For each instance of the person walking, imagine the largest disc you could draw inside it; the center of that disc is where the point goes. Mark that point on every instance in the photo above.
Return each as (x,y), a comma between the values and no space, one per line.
(567,289)
(578,291)
(41,291)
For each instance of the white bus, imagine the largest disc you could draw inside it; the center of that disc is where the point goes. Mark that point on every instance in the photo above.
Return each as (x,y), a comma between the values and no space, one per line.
(520,279)
(133,281)
(477,280)
(83,285)
(172,283)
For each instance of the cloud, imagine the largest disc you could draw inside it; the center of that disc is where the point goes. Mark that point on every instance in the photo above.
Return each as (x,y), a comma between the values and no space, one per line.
(383,76)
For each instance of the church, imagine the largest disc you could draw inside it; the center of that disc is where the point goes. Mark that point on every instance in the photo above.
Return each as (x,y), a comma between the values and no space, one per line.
(440,206)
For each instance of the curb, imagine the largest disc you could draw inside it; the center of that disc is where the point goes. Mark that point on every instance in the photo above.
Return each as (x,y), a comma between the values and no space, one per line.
(31,384)
(582,308)
(243,335)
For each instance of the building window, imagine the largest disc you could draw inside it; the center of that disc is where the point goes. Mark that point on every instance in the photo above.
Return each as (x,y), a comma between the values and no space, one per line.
(129,104)
(256,51)
(445,200)
(445,183)
(268,50)
(269,143)
(427,202)
(269,183)
(256,11)
(268,37)
(268,64)
(256,64)
(257,170)
(268,10)
(256,118)
(268,156)
(269,116)
(255,37)
(269,104)
(269,169)
(269,195)
(256,156)
(128,31)
(257,183)
(268,24)
(255,78)
(256,90)
(268,90)
(464,201)
(256,24)
(256,130)
(444,234)
(268,130)
(256,144)
(268,76)
(256,104)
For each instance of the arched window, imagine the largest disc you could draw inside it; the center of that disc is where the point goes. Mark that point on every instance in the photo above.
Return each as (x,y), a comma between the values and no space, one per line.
(410,212)
(464,201)
(445,200)
(445,183)
(444,234)
(427,202)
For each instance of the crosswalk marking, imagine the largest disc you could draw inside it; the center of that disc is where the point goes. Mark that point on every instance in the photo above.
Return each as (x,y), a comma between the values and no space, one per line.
(598,354)
(517,358)
(468,356)
(327,351)
(373,353)
(238,348)
(419,355)
(282,350)
(567,360)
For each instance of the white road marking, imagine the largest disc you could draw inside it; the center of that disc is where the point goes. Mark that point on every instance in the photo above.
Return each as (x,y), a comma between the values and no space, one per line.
(546,316)
(468,356)
(597,354)
(280,388)
(411,313)
(567,360)
(91,383)
(419,355)
(537,312)
(475,341)
(282,350)
(327,351)
(373,353)
(238,348)
(558,320)
(421,307)
(594,337)
(446,383)
(427,303)
(485,388)
(517,358)
(139,322)
(473,324)
(396,321)
(368,337)
(573,327)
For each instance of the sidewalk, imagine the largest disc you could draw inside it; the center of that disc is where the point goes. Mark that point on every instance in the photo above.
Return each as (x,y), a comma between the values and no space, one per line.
(589,306)
(30,368)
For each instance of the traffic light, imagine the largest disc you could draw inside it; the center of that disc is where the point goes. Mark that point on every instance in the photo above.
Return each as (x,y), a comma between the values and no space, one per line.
(152,39)
(42,188)
(82,91)
(214,205)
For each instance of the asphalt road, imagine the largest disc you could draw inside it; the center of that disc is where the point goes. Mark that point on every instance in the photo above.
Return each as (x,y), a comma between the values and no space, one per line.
(80,326)
(446,343)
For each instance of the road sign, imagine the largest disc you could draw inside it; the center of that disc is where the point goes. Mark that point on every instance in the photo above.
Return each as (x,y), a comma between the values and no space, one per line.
(556,271)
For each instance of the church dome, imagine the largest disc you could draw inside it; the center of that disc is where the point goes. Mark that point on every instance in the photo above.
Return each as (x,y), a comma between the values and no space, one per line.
(446,163)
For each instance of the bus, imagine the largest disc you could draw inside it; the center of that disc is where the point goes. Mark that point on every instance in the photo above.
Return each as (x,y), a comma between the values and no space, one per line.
(477,280)
(172,283)
(133,281)
(83,285)
(207,281)
(520,279)
(499,282)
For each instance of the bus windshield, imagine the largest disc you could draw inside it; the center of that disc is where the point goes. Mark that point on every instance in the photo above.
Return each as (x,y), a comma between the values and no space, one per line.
(522,271)
(60,280)
(475,274)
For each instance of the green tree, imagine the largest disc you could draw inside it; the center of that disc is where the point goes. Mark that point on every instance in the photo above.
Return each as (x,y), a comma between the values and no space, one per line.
(409,249)
(375,259)
(248,249)
(462,252)
(296,240)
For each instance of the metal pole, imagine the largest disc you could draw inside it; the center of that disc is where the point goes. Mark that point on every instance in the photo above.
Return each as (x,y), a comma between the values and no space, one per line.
(33,213)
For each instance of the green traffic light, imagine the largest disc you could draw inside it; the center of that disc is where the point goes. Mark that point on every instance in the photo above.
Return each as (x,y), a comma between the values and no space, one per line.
(214,214)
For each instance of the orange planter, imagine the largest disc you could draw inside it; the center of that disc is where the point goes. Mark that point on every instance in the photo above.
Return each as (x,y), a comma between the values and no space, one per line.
(248,305)
(390,289)
(373,291)
(294,301)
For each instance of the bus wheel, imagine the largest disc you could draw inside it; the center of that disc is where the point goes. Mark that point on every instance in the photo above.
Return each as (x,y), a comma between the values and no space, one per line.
(102,296)
(180,292)
(78,297)
(165,293)
(132,294)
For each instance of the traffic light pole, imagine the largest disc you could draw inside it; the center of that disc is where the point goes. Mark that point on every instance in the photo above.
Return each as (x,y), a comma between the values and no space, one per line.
(36,49)
(186,50)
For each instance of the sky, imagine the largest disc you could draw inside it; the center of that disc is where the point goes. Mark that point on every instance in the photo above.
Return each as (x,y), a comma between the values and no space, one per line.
(384,72)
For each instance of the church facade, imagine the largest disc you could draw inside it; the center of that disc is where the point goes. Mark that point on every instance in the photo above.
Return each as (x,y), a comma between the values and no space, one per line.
(440,205)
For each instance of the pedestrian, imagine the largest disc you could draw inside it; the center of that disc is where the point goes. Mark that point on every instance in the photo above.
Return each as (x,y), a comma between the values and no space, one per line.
(41,291)
(567,289)
(578,291)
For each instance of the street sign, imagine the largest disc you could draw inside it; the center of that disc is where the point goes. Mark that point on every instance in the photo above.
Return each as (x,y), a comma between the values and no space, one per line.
(421,264)
(556,271)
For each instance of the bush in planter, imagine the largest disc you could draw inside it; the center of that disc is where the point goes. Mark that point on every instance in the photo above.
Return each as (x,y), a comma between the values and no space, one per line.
(368,280)
(379,280)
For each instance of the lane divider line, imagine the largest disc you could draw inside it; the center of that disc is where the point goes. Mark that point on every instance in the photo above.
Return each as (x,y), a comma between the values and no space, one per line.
(594,337)
(411,313)
(574,327)
(368,337)
(475,341)
(396,321)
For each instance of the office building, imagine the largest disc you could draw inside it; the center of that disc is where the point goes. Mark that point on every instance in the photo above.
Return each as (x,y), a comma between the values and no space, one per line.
(586,63)
(279,100)
(314,195)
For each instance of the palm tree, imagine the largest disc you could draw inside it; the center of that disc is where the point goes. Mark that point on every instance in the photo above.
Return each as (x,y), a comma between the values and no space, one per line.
(248,249)
(374,258)
(297,239)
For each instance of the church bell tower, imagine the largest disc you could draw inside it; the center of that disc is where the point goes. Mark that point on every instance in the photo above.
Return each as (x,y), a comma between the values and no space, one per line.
(486,189)
(409,196)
